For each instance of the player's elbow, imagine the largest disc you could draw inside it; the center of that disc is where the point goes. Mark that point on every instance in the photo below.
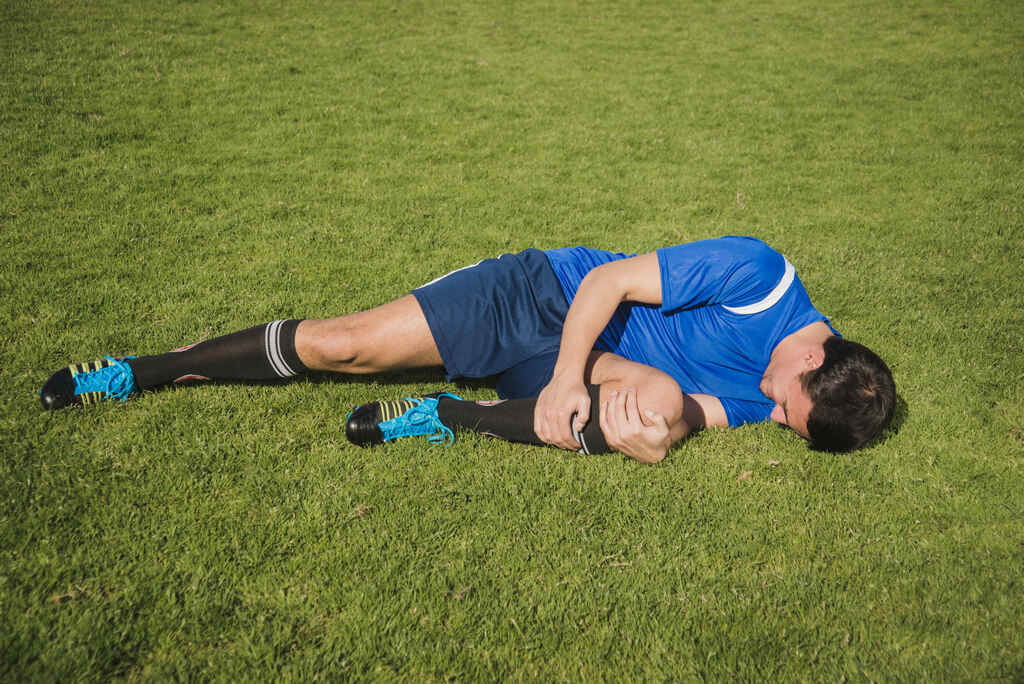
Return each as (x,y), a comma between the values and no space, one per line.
(606,280)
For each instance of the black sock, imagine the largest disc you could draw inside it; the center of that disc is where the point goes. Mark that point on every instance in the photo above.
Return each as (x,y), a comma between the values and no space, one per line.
(512,420)
(266,352)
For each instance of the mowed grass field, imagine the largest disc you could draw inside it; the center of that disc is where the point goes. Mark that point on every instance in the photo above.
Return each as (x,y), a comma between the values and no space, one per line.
(174,171)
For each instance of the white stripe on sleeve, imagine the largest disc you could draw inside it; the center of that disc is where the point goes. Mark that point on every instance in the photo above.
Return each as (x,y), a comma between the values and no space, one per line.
(773,297)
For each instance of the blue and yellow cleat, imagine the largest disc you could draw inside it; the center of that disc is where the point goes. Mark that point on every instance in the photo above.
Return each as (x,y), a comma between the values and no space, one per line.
(89,383)
(383,421)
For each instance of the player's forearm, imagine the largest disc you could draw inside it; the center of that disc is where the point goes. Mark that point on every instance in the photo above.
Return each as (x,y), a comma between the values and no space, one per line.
(593,306)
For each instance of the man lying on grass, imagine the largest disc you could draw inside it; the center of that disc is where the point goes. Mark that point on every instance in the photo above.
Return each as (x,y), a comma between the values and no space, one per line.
(592,351)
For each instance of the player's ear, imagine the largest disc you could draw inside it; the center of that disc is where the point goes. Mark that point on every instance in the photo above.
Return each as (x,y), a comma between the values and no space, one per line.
(814,357)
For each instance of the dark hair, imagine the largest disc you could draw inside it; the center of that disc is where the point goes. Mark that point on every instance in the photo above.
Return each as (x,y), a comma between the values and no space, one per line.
(852,395)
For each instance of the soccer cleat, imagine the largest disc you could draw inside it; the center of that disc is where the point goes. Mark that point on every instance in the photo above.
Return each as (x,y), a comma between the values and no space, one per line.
(88,383)
(383,421)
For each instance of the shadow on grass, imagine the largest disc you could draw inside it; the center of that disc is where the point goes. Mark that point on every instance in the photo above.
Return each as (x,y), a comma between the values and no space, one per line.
(900,414)
(427,376)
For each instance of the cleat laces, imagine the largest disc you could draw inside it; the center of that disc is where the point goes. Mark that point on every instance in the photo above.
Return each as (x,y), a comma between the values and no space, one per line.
(420,420)
(116,381)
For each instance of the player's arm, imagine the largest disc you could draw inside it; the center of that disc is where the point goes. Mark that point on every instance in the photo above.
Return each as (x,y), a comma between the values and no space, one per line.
(636,279)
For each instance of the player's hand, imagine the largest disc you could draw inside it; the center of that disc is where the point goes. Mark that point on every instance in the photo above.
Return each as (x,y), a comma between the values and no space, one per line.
(627,432)
(562,406)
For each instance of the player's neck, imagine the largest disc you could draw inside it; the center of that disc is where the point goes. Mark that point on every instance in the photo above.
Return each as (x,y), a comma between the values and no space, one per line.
(816,333)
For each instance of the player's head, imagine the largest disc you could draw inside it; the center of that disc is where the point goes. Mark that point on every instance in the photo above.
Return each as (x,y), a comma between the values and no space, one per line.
(852,397)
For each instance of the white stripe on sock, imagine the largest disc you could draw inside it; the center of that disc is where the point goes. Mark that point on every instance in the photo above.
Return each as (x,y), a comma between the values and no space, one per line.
(272,343)
(583,443)
(267,333)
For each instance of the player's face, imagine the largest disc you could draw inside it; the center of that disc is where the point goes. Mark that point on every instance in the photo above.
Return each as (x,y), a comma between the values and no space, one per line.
(781,383)
(794,408)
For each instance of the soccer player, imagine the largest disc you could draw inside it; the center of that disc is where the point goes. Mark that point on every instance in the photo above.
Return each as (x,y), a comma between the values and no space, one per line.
(592,350)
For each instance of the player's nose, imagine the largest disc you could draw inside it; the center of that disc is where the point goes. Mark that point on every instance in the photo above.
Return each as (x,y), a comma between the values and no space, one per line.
(778,415)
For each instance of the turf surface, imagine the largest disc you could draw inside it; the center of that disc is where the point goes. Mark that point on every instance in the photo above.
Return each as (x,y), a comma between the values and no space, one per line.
(169,172)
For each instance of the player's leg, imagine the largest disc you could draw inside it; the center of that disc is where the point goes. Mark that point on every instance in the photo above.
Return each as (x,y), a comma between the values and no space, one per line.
(439,415)
(388,337)
(606,374)
(512,419)
(391,336)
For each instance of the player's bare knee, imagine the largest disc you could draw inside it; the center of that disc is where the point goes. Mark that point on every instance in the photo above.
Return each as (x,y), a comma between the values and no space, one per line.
(656,392)
(661,394)
(332,345)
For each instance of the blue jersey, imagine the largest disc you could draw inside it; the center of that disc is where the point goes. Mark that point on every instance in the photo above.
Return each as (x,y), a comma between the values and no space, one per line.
(726,304)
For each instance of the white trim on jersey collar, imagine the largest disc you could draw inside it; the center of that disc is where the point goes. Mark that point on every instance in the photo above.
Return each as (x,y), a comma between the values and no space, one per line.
(774,296)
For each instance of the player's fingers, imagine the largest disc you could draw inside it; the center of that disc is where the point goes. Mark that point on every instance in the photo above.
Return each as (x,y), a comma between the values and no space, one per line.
(544,427)
(539,423)
(558,429)
(545,420)
(582,413)
(630,415)
(632,410)
(609,422)
(620,408)
(656,419)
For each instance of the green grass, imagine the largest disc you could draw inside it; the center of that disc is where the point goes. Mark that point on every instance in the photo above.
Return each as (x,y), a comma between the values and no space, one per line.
(169,172)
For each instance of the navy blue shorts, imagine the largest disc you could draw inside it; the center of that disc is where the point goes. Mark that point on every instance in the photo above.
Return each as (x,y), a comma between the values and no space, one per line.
(502,317)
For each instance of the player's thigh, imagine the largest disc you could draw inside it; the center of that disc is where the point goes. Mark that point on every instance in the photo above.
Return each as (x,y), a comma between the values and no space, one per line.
(393,335)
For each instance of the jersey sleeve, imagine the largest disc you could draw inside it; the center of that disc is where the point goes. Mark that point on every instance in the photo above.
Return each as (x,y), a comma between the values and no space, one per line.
(733,271)
(742,411)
